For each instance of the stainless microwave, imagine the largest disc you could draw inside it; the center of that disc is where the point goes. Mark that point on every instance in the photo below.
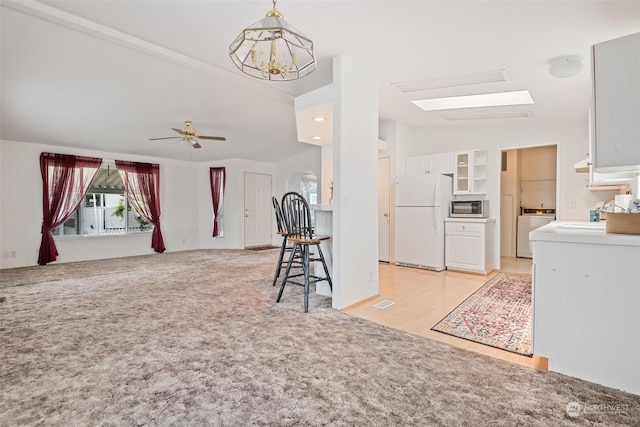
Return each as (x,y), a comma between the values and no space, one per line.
(469,209)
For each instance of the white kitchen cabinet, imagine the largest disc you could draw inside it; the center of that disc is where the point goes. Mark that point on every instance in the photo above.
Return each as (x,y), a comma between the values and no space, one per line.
(585,303)
(469,244)
(470,172)
(416,165)
(439,164)
(616,104)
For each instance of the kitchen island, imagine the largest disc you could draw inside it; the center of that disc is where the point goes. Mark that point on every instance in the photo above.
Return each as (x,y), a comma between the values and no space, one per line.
(586,296)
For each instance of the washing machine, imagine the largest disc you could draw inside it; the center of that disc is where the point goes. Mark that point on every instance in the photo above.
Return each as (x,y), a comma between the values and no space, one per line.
(529,220)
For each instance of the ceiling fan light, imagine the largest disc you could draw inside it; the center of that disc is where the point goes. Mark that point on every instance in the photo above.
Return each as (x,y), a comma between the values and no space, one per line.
(565,66)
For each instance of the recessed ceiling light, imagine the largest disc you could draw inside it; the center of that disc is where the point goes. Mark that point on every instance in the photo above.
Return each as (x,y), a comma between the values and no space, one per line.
(318,119)
(472,101)
(316,137)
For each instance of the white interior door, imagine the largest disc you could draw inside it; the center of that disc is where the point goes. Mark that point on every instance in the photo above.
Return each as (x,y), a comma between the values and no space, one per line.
(383,209)
(257,210)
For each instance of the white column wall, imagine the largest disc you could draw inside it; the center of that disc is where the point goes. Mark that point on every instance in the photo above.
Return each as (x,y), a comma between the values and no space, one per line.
(355,170)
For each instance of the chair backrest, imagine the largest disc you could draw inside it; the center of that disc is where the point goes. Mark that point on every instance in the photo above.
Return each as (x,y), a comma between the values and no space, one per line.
(297,216)
(282,228)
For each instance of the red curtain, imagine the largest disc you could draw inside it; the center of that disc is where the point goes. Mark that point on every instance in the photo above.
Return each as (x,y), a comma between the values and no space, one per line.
(65,180)
(218,178)
(142,184)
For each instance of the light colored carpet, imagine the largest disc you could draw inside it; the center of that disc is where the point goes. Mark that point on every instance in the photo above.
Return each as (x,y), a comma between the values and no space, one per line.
(498,314)
(196,338)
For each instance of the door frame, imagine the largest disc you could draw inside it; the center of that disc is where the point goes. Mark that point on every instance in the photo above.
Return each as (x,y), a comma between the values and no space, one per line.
(265,212)
(384,164)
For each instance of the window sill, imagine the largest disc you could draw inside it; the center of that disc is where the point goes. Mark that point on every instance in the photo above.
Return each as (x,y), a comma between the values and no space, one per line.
(100,236)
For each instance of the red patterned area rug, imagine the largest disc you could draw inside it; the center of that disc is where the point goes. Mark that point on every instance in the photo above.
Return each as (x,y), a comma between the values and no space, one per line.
(498,314)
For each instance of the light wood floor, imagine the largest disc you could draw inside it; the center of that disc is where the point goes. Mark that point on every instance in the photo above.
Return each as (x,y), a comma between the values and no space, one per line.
(422,298)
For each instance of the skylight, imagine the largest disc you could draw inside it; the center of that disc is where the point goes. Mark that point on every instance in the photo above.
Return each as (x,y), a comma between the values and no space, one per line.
(520,97)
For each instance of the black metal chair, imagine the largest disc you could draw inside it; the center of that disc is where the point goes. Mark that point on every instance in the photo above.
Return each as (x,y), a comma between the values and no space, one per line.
(297,218)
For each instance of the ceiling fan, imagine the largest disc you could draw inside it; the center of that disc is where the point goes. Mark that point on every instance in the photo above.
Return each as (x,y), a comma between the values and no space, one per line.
(188,135)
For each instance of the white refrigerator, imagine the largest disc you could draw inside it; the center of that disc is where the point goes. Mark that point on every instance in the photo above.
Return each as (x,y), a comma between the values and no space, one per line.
(422,204)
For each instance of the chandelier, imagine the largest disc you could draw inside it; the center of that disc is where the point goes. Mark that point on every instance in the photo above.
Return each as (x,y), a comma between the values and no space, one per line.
(272,49)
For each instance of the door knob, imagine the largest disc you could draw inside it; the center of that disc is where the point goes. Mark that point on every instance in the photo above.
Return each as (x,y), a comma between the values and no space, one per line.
(386,214)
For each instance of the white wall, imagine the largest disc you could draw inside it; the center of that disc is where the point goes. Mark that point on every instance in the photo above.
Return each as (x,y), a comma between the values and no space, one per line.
(21,193)
(233,229)
(187,211)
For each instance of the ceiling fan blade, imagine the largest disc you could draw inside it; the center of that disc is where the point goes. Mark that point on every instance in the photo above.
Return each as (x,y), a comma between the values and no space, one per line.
(216,138)
(178,130)
(196,145)
(168,137)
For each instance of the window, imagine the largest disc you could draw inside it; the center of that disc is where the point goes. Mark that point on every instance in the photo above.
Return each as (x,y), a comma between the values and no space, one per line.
(309,188)
(102,211)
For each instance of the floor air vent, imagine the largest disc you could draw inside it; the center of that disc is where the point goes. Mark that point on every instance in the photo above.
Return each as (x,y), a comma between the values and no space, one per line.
(384,304)
(424,267)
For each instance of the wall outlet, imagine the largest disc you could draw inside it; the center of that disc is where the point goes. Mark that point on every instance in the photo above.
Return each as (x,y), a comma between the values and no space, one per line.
(571,204)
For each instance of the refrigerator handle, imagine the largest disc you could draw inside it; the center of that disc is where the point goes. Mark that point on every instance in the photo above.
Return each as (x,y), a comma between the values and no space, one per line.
(436,203)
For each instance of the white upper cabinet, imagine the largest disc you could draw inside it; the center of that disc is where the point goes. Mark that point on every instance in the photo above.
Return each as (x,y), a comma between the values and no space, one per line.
(470,172)
(416,165)
(439,164)
(616,99)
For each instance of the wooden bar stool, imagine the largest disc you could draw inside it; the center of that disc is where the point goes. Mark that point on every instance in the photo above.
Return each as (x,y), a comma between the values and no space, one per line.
(297,218)
(282,231)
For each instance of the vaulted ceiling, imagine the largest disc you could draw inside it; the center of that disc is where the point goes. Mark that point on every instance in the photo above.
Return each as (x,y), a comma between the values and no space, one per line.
(109,75)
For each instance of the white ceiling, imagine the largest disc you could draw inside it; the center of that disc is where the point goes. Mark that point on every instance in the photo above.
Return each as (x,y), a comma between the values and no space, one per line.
(109,75)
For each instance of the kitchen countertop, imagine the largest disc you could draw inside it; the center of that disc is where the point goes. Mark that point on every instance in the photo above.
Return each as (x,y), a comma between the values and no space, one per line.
(328,208)
(582,232)
(470,220)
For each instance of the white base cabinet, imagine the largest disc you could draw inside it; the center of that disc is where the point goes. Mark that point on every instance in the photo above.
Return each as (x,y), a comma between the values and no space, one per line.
(469,244)
(585,303)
